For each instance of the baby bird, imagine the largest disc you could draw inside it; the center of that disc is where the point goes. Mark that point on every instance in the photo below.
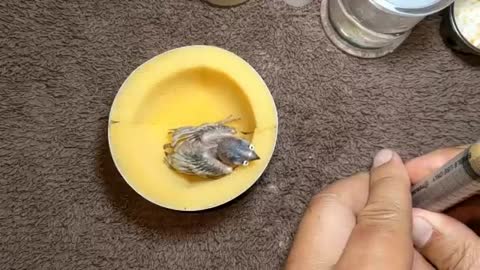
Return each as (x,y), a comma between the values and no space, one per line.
(210,150)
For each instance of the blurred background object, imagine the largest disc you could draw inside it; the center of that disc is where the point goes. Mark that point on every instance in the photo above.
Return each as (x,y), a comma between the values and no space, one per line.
(226,3)
(374,28)
(461,27)
(298,3)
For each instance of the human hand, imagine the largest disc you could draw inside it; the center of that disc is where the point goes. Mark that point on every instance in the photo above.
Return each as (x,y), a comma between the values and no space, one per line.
(365,222)
(467,212)
(442,239)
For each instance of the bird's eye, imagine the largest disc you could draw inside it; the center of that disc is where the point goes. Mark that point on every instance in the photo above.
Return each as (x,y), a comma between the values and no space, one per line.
(251,147)
(245,163)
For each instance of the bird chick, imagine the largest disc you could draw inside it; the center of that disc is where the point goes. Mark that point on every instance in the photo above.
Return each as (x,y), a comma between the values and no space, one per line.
(210,150)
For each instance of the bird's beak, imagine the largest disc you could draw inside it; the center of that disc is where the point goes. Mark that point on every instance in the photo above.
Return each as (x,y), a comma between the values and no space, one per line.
(255,156)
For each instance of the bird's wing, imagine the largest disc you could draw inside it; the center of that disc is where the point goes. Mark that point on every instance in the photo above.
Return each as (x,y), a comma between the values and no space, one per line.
(204,133)
(204,164)
(183,133)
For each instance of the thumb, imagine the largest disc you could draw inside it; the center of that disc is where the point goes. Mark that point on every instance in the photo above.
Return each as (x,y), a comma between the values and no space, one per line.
(445,242)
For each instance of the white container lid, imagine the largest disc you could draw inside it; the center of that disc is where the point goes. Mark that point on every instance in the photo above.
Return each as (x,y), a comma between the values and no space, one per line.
(298,3)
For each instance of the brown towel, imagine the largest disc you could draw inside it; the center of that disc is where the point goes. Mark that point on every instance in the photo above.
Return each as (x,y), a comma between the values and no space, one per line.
(64,206)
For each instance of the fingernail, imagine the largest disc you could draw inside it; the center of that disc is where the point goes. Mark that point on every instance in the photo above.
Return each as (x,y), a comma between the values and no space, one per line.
(422,231)
(382,157)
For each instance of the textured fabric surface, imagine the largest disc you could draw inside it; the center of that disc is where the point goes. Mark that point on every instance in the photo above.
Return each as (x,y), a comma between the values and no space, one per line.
(63,205)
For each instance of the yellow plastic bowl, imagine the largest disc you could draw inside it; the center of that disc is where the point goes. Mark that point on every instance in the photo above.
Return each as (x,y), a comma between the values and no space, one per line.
(188,86)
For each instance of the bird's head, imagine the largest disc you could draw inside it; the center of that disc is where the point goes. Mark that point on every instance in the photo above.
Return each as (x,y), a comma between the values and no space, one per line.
(236,152)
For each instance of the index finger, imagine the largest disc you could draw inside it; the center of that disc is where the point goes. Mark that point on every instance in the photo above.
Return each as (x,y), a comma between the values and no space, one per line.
(421,167)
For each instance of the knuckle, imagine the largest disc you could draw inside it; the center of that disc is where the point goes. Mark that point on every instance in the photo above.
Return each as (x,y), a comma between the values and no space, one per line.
(381,212)
(392,182)
(384,179)
(461,257)
(323,198)
(454,258)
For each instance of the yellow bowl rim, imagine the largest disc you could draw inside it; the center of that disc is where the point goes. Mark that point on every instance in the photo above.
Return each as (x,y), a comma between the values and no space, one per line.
(247,187)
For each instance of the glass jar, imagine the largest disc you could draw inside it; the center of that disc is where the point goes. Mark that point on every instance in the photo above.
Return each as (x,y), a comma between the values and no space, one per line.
(378,24)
